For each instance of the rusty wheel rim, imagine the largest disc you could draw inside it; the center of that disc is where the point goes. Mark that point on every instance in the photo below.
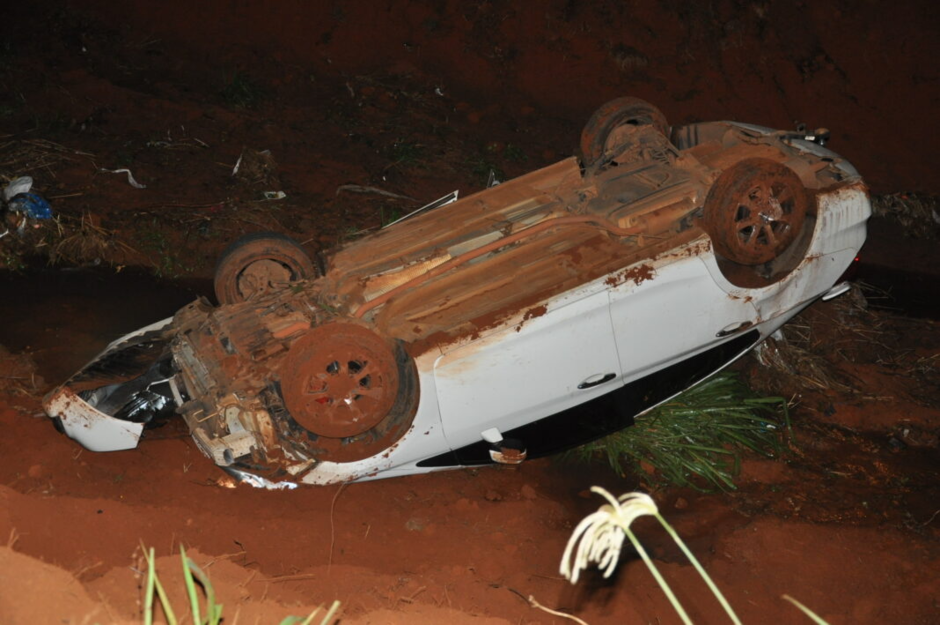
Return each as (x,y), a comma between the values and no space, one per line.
(262,277)
(612,124)
(340,380)
(755,211)
(763,220)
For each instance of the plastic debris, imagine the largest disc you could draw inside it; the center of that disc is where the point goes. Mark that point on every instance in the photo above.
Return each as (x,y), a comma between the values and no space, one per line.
(450,198)
(32,205)
(257,481)
(257,167)
(16,186)
(130,176)
(273,195)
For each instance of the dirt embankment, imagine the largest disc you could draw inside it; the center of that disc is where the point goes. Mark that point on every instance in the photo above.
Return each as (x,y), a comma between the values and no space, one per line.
(846,524)
(410,99)
(867,70)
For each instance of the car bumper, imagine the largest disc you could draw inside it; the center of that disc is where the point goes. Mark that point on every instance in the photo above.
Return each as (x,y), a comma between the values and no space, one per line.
(95,430)
(73,405)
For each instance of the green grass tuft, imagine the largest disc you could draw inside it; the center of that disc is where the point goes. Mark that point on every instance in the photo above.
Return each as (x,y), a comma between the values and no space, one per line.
(196,580)
(696,439)
(241,91)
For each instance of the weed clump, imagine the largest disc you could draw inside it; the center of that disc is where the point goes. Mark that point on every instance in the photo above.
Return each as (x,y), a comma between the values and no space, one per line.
(241,91)
(697,438)
(209,611)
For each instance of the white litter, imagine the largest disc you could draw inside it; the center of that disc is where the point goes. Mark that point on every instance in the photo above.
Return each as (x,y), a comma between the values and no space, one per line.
(16,186)
(130,177)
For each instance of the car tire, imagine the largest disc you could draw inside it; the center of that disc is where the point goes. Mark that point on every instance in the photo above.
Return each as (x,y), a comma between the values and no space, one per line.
(755,211)
(342,379)
(627,110)
(260,263)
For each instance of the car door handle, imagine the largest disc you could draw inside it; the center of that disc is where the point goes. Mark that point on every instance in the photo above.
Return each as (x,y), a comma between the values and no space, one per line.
(734,328)
(596,379)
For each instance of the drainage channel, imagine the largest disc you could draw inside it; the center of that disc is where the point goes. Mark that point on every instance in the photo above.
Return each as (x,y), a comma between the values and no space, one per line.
(65,317)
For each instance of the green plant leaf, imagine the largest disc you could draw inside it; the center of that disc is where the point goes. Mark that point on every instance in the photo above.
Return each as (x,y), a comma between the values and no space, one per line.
(190,586)
(696,439)
(153,582)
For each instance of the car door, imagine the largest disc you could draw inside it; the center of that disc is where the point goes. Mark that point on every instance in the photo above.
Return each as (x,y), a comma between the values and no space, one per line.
(544,365)
(672,313)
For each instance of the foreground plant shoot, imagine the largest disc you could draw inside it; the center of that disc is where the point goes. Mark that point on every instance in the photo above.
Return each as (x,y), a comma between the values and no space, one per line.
(194,575)
(599,538)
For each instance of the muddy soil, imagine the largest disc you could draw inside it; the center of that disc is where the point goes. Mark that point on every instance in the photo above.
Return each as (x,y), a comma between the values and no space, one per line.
(341,106)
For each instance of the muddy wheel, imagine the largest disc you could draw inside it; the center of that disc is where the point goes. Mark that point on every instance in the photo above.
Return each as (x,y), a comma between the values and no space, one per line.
(260,263)
(599,136)
(755,211)
(340,380)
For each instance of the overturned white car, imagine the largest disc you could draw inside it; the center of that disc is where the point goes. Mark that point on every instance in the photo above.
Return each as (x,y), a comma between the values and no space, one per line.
(529,318)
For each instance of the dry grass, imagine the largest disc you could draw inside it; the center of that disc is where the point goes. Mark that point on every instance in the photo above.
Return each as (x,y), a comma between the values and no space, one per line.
(918,213)
(20,157)
(802,366)
(84,240)
(18,375)
(808,353)
(802,358)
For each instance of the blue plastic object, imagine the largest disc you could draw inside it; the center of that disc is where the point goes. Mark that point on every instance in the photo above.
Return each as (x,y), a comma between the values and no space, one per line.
(34,205)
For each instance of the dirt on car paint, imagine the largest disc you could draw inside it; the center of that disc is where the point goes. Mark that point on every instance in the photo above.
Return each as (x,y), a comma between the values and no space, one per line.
(461,547)
(637,275)
(532,313)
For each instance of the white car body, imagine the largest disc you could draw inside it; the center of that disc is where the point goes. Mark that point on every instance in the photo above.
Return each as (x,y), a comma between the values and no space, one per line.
(551,372)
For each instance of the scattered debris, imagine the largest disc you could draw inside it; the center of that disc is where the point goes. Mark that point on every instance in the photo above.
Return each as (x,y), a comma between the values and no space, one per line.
(257,481)
(17,186)
(31,205)
(257,167)
(355,188)
(491,180)
(130,176)
(26,204)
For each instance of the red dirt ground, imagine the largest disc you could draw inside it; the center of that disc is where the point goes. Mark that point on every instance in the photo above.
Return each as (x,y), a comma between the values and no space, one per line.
(418,99)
